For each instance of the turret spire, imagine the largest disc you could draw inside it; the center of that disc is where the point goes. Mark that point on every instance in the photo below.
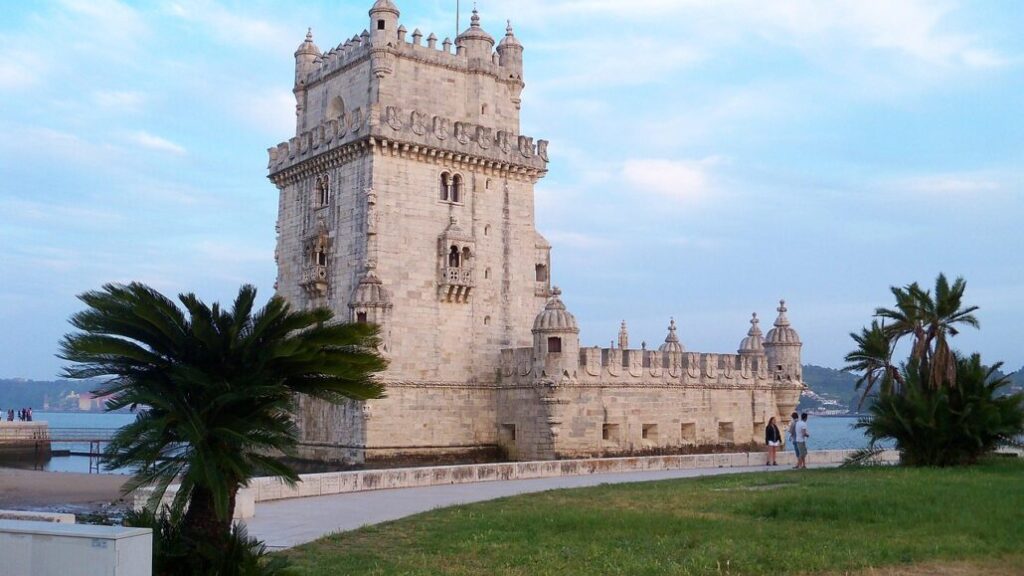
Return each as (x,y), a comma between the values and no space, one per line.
(623,336)
(672,344)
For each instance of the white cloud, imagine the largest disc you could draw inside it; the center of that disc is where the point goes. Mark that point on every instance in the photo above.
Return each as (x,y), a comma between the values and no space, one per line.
(147,140)
(684,181)
(18,70)
(964,185)
(271,110)
(233,27)
(918,29)
(119,100)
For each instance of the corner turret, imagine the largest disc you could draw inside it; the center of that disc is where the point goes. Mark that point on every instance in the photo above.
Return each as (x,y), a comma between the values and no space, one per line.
(384,22)
(782,346)
(305,58)
(477,43)
(623,336)
(672,344)
(510,53)
(556,340)
(753,344)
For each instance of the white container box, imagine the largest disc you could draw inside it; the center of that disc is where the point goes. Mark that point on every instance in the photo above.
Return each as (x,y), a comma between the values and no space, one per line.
(48,549)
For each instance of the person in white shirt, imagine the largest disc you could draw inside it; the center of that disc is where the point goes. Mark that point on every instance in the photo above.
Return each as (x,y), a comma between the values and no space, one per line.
(802,434)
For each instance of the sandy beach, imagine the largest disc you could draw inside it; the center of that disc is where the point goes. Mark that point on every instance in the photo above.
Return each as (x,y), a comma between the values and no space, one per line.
(31,490)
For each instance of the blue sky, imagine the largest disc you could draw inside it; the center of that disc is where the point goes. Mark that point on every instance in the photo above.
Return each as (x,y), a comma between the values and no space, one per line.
(708,157)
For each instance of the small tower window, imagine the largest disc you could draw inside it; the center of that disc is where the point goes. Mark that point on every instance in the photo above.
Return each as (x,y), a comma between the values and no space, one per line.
(453,257)
(446,186)
(457,188)
(466,255)
(487,274)
(483,110)
(487,320)
(323,191)
(542,273)
(361,317)
(554,345)
(381,25)
(320,258)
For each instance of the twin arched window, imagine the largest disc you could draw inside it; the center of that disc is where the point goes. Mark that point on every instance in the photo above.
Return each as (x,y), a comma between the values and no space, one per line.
(451,187)
(323,191)
(457,259)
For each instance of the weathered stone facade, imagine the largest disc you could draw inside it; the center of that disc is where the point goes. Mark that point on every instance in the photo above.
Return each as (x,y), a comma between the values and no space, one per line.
(407,200)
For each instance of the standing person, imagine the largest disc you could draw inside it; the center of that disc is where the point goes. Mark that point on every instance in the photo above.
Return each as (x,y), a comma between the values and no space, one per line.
(773,438)
(794,418)
(802,434)
(28,414)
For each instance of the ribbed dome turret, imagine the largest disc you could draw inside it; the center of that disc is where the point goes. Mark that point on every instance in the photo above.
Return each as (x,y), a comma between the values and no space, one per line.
(672,344)
(475,32)
(783,333)
(385,6)
(370,292)
(754,342)
(308,47)
(554,317)
(510,39)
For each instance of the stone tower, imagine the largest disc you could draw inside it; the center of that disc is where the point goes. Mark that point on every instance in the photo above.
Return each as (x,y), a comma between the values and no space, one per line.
(782,346)
(407,200)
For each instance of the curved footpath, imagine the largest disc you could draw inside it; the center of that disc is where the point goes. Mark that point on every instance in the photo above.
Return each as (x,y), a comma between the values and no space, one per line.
(287,523)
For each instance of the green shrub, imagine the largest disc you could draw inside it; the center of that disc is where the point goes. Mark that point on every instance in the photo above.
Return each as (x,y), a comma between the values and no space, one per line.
(174,554)
(947,426)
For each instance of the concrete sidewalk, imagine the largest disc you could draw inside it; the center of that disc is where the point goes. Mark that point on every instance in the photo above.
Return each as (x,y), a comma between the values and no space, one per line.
(288,523)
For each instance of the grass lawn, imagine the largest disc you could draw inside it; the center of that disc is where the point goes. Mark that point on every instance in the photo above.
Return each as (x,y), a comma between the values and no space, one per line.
(872,521)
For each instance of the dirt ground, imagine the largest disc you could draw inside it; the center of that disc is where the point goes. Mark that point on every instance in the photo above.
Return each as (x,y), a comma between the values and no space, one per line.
(31,490)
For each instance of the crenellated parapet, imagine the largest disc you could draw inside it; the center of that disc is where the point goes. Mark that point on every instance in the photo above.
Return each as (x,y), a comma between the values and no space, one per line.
(415,132)
(615,367)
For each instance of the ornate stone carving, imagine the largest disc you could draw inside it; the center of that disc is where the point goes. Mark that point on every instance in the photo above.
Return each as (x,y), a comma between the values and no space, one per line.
(418,122)
(503,142)
(442,127)
(542,149)
(484,137)
(461,133)
(393,117)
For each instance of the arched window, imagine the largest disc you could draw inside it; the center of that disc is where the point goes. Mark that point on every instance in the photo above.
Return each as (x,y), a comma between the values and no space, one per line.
(336,109)
(457,188)
(466,254)
(554,345)
(320,257)
(323,191)
(453,257)
(446,186)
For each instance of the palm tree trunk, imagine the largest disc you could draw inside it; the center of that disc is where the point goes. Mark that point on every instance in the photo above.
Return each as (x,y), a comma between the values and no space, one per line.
(201,522)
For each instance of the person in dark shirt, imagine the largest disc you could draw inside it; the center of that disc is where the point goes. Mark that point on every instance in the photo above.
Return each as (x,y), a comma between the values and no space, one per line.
(773,438)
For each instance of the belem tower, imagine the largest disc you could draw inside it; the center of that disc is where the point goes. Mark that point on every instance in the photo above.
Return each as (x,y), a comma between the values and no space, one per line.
(407,200)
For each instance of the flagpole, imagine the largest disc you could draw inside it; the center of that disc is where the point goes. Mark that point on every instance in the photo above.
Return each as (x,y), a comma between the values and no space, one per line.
(458,13)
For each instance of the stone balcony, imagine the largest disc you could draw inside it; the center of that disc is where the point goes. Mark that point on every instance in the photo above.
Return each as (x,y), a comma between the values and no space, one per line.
(456,284)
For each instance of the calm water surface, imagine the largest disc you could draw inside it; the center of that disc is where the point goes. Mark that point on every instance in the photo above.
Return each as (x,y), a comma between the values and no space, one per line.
(826,434)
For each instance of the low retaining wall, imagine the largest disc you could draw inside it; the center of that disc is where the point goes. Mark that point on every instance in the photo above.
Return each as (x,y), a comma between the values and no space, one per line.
(332,483)
(25,439)
(37,517)
(270,489)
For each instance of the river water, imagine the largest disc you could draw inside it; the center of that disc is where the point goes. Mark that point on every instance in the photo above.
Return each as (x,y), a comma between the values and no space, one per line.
(833,433)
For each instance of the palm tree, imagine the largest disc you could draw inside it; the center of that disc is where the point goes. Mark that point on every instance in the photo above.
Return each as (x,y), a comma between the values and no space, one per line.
(215,389)
(931,321)
(873,360)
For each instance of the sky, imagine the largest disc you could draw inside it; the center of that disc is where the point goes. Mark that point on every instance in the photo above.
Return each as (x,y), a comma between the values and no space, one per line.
(708,157)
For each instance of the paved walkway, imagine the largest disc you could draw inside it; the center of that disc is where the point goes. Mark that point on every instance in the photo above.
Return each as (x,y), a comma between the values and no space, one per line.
(288,523)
